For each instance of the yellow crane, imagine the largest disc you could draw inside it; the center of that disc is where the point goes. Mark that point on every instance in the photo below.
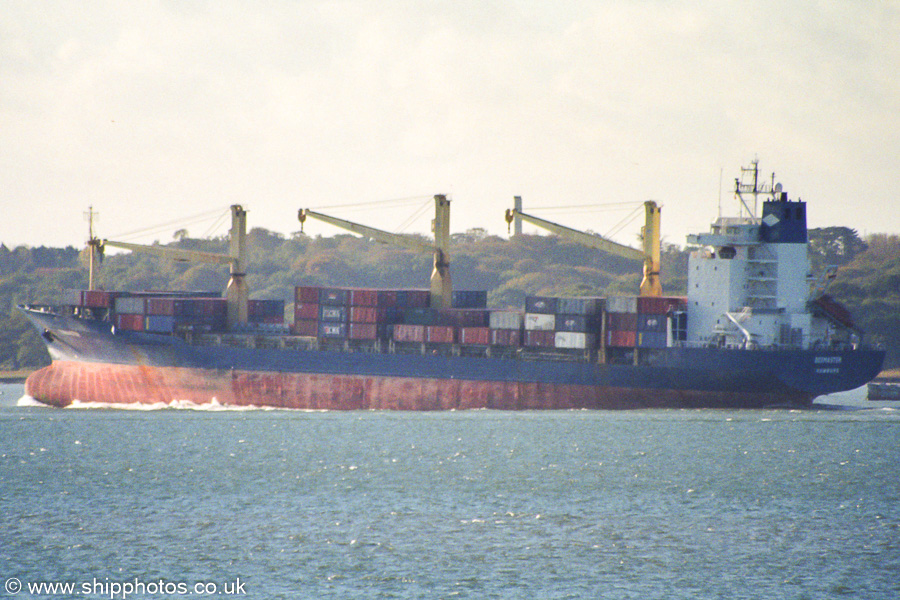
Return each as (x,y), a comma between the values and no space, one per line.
(441,287)
(649,254)
(236,294)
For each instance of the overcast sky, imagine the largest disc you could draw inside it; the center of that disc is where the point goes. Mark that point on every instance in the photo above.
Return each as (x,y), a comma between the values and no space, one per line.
(153,111)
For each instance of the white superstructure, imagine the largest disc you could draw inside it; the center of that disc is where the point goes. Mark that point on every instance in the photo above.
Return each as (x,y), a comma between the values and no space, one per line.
(749,280)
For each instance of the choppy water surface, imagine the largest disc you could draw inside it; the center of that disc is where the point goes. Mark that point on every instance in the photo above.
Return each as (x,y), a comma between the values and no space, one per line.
(482,504)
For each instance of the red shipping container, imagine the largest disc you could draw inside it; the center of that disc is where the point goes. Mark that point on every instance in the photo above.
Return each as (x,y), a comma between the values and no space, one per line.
(362,331)
(130,322)
(306,311)
(616,321)
(418,298)
(660,305)
(307,327)
(306,294)
(621,339)
(506,337)
(161,306)
(96,299)
(213,307)
(363,314)
(409,333)
(475,335)
(464,317)
(540,339)
(359,297)
(440,334)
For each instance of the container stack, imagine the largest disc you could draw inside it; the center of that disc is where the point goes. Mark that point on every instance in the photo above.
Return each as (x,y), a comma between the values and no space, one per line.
(540,322)
(653,317)
(359,313)
(621,322)
(166,314)
(643,322)
(577,322)
(562,323)
(130,313)
(505,327)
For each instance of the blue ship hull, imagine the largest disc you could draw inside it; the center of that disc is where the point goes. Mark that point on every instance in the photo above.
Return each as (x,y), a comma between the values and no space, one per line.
(92,362)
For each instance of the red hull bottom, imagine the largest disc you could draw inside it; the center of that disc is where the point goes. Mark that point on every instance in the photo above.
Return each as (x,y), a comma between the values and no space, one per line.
(65,382)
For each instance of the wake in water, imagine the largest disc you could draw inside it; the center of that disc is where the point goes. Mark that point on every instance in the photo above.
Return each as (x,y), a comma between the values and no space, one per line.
(212,406)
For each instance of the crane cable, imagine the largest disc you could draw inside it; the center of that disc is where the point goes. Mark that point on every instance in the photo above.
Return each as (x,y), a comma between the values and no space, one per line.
(197,218)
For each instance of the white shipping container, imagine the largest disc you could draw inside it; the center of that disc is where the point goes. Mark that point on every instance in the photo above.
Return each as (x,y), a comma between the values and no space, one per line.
(505,319)
(573,339)
(540,322)
(622,304)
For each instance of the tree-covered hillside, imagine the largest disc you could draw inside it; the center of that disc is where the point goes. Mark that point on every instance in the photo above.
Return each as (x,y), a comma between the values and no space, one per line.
(868,281)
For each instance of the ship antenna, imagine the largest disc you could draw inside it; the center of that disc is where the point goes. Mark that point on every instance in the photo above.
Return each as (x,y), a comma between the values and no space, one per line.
(92,244)
(721,169)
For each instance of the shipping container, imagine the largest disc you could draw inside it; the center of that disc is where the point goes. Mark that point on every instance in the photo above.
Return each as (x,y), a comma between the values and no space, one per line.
(274,320)
(389,315)
(440,334)
(420,316)
(652,339)
(621,321)
(306,327)
(334,296)
(622,304)
(96,299)
(469,299)
(212,307)
(463,317)
(130,322)
(161,306)
(505,319)
(574,340)
(363,314)
(159,323)
(363,331)
(506,337)
(539,322)
(387,298)
(403,332)
(475,335)
(332,314)
(363,297)
(661,304)
(579,323)
(306,294)
(414,298)
(579,306)
(540,304)
(260,310)
(540,339)
(129,305)
(332,330)
(652,322)
(621,339)
(306,311)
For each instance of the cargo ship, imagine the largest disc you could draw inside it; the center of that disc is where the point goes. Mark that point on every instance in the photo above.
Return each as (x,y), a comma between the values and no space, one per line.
(754,330)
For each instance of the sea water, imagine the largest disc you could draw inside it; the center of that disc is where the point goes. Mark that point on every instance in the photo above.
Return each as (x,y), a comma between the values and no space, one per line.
(481,504)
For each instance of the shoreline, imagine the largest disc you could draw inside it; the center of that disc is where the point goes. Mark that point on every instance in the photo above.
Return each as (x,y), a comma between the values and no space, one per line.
(15,376)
